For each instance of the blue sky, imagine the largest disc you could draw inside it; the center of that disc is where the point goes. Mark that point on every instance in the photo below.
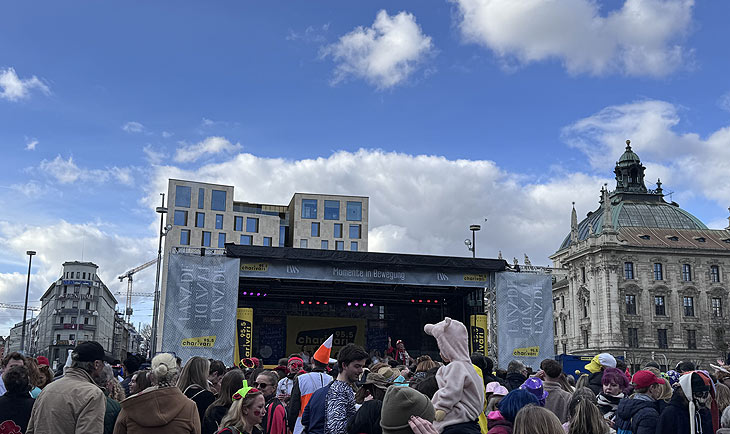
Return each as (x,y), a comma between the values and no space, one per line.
(443,112)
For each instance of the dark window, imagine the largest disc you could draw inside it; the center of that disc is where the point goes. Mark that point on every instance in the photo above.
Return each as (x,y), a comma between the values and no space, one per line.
(219,221)
(555,328)
(309,208)
(237,223)
(181,218)
(331,209)
(585,309)
(338,230)
(686,272)
(662,338)
(658,272)
(325,245)
(719,336)
(583,273)
(633,338)
(246,240)
(565,348)
(282,236)
(562,302)
(267,241)
(659,307)
(629,270)
(218,200)
(205,241)
(86,321)
(315,229)
(252,224)
(689,306)
(631,304)
(199,219)
(201,198)
(354,211)
(563,324)
(182,196)
(355,232)
(353,246)
(691,339)
(716,307)
(185,237)
(339,245)
(585,339)
(714,273)
(221,239)
(88,304)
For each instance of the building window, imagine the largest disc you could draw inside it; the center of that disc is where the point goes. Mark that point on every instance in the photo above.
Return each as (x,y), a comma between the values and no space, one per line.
(629,270)
(585,309)
(88,305)
(282,236)
(181,218)
(338,230)
(353,246)
(562,302)
(331,209)
(659,307)
(585,339)
(185,237)
(631,304)
(583,274)
(565,348)
(267,241)
(355,232)
(716,307)
(252,224)
(714,273)
(205,239)
(339,245)
(555,328)
(658,272)
(237,223)
(563,324)
(182,196)
(354,211)
(691,339)
(309,208)
(219,221)
(315,229)
(72,337)
(686,272)
(60,320)
(689,306)
(325,245)
(86,321)
(218,200)
(662,338)
(303,243)
(199,219)
(221,239)
(201,198)
(246,240)
(633,338)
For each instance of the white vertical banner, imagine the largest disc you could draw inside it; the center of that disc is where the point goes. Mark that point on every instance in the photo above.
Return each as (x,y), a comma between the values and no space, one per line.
(524,318)
(200,306)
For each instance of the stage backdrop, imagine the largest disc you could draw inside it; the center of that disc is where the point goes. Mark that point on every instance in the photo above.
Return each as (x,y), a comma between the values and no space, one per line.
(311,331)
(524,318)
(200,306)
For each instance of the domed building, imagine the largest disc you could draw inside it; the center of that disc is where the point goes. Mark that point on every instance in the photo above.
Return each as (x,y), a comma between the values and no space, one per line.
(646,279)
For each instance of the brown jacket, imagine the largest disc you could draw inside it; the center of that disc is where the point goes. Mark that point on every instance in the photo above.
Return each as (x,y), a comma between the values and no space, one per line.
(70,405)
(557,400)
(158,411)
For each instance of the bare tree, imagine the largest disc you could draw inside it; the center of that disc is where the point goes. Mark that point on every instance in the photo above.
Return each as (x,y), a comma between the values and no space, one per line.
(146,333)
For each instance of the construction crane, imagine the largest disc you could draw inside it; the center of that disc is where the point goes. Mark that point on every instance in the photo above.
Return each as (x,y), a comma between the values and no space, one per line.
(17,306)
(128,275)
(138,294)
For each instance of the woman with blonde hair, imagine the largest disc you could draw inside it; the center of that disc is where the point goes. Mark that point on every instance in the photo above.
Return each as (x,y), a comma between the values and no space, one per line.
(193,383)
(247,411)
(534,419)
(585,417)
(722,396)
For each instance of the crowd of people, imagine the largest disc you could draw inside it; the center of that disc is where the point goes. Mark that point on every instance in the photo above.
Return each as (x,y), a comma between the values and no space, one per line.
(359,393)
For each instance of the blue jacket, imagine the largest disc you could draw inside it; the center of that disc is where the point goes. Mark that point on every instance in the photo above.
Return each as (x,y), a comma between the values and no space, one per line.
(637,416)
(313,418)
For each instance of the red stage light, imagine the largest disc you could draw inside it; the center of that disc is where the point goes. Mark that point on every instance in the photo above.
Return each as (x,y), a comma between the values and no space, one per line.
(310,302)
(420,301)
(317,303)
(325,302)
(413,301)
(435,301)
(428,301)
(302,302)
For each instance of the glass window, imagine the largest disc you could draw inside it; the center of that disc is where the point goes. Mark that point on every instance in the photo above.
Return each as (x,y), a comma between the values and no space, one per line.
(205,241)
(659,307)
(585,339)
(717,307)
(246,240)
(562,302)
(201,198)
(219,221)
(628,270)
(237,223)
(315,229)
(331,209)
(686,272)
(282,236)
(353,246)
(662,338)
(303,243)
(633,338)
(583,273)
(658,272)
(185,237)
(221,239)
(199,219)
(218,200)
(555,328)
(689,306)
(325,245)
(182,196)
(267,241)
(338,230)
(309,208)
(72,336)
(252,224)
(714,273)
(564,325)
(181,218)
(354,211)
(691,339)
(339,245)
(631,304)
(355,232)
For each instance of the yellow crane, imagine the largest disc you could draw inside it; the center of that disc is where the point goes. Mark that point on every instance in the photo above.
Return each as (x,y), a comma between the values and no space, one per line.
(129,276)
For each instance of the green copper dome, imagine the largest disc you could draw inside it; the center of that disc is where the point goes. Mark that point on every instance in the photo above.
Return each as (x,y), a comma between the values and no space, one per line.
(628,157)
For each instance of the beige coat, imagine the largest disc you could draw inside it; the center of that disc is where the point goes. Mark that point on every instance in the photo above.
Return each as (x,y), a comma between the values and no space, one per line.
(158,411)
(557,400)
(70,405)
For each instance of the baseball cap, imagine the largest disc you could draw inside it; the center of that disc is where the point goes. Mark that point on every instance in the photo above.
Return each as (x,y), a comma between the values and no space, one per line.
(90,350)
(645,378)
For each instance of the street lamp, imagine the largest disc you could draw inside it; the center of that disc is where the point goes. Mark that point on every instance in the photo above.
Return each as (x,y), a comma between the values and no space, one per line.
(162,210)
(471,245)
(30,254)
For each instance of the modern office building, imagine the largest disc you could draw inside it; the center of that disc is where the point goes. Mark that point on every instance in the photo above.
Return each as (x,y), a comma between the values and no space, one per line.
(12,343)
(646,279)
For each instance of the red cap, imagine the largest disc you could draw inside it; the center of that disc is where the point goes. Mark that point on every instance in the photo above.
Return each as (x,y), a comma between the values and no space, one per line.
(645,379)
(42,360)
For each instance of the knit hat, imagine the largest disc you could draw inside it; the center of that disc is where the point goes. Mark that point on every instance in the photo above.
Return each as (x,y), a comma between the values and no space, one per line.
(534,386)
(603,360)
(322,355)
(694,382)
(399,404)
(496,389)
(43,360)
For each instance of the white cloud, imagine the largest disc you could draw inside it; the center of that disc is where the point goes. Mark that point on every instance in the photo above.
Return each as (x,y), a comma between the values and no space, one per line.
(66,171)
(15,88)
(166,134)
(31,144)
(29,189)
(724,102)
(385,54)
(153,155)
(212,145)
(133,127)
(205,122)
(642,38)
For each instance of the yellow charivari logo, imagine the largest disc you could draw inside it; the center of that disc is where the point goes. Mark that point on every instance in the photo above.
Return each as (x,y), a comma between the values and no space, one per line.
(202,341)
(260,266)
(526,352)
(475,278)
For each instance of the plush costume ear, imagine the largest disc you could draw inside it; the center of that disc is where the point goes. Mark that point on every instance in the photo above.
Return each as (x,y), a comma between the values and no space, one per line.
(448,321)
(428,328)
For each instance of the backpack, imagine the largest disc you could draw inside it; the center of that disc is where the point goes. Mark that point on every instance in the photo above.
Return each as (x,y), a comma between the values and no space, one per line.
(267,421)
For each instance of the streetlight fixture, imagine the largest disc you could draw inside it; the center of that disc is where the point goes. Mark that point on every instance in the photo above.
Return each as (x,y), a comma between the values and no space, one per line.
(162,210)
(30,254)
(471,245)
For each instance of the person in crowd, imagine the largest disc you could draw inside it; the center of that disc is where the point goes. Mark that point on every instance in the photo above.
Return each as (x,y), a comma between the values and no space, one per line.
(502,421)
(282,369)
(534,386)
(193,383)
(231,382)
(614,383)
(306,384)
(246,412)
(45,369)
(108,383)
(683,367)
(162,408)
(584,393)
(582,381)
(34,374)
(571,382)
(376,356)
(283,389)
(493,395)
(423,365)
(516,375)
(585,417)
(639,412)
(216,372)
(402,406)
(429,385)
(557,399)
(16,404)
(370,397)
(722,395)
(399,353)
(537,420)
(724,422)
(596,367)
(131,366)
(723,375)
(690,410)
(10,360)
(139,381)
(275,421)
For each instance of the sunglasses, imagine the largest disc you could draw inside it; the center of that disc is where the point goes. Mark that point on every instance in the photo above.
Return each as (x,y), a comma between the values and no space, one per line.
(701,394)
(261,385)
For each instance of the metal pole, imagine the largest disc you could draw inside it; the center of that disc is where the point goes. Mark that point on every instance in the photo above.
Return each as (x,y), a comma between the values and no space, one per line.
(473,244)
(157,280)
(30,254)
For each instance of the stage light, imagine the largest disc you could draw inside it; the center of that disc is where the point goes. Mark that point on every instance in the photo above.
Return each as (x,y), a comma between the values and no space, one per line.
(258,294)
(349,303)
(413,301)
(428,301)
(435,301)
(371,305)
(301,302)
(264,294)
(357,304)
(310,302)
(420,301)
(317,303)
(245,292)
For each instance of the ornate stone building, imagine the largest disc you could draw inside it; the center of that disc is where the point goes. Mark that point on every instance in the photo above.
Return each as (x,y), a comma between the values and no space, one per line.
(646,279)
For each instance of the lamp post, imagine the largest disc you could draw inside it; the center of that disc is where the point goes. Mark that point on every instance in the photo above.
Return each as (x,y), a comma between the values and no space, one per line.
(162,210)
(30,254)
(471,245)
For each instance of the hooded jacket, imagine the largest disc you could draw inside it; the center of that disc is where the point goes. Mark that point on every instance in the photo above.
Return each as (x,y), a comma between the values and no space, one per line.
(498,424)
(637,414)
(595,382)
(158,411)
(514,380)
(675,417)
(461,390)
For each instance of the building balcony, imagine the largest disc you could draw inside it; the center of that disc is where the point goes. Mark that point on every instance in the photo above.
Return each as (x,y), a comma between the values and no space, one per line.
(74,326)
